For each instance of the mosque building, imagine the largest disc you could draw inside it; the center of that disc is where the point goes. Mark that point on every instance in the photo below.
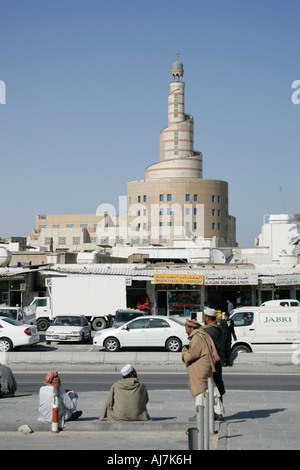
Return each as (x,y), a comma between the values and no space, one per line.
(174,202)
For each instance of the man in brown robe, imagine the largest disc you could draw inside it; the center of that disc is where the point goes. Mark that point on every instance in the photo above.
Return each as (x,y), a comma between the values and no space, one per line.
(199,359)
(127,399)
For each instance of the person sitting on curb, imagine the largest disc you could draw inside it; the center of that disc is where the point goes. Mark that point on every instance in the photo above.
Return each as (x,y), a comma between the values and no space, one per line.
(67,408)
(127,398)
(8,384)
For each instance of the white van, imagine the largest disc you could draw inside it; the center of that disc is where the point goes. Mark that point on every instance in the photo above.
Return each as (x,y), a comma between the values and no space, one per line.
(281,303)
(265,329)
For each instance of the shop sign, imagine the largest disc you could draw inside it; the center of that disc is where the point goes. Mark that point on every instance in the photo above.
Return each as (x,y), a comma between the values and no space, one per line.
(169,278)
(288,280)
(217,280)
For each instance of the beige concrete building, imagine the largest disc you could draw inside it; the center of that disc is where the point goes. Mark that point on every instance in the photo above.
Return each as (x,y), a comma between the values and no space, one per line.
(174,201)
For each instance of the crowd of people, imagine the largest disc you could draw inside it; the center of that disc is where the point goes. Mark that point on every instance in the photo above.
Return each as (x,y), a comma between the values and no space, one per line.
(208,351)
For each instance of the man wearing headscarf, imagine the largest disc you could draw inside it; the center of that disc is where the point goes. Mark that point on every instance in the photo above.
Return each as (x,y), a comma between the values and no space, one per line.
(127,398)
(200,358)
(67,401)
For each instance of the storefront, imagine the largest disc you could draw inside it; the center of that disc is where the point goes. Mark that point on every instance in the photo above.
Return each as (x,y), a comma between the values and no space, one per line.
(178,294)
(238,288)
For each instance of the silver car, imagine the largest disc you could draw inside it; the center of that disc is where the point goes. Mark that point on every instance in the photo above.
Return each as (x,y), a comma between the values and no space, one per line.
(69,328)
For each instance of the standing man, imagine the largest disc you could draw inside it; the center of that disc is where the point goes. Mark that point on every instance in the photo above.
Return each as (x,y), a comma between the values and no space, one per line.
(127,398)
(230,306)
(200,358)
(227,331)
(214,330)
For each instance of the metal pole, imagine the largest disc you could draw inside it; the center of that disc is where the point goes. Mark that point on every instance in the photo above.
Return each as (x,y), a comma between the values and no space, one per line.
(200,426)
(206,421)
(193,438)
(55,409)
(211,399)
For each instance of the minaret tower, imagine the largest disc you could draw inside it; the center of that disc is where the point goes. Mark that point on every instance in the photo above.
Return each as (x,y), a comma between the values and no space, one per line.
(177,156)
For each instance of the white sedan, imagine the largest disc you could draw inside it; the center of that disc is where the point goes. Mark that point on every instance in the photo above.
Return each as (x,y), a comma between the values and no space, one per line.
(156,331)
(13,333)
(69,328)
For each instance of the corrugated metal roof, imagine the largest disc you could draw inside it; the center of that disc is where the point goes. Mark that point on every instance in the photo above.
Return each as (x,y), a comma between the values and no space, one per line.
(147,272)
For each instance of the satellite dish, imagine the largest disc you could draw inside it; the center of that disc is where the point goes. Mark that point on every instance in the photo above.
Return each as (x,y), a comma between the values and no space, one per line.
(217,256)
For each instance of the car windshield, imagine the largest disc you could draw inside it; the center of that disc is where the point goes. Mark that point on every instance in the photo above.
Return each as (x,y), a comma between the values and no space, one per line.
(11,321)
(67,321)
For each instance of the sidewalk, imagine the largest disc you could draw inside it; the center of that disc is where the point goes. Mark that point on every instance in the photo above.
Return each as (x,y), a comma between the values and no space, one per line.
(252,420)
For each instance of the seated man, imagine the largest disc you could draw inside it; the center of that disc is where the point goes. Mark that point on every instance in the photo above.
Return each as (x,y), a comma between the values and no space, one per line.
(67,402)
(8,384)
(127,399)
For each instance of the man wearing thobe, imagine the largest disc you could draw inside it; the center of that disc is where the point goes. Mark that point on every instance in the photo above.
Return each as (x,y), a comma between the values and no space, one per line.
(127,398)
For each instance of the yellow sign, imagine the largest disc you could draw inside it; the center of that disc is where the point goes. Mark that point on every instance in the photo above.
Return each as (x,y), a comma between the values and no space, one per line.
(170,278)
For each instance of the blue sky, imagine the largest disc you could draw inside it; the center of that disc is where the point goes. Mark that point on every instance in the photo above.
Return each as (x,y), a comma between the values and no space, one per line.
(87,85)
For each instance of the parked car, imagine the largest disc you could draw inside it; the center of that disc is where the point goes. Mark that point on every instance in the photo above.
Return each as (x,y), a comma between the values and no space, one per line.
(69,328)
(124,316)
(145,331)
(17,313)
(14,333)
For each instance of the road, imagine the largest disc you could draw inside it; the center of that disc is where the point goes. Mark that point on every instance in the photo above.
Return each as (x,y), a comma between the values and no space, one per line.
(30,382)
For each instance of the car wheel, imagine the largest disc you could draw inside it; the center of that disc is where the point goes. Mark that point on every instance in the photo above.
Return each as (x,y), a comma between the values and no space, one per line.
(111,344)
(173,345)
(241,348)
(5,345)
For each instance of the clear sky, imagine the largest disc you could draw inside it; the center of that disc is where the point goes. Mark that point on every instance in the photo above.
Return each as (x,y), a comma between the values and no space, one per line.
(87,85)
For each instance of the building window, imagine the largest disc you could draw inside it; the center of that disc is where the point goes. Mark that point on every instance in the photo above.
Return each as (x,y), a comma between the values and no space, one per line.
(213,226)
(145,212)
(72,226)
(145,198)
(213,198)
(139,198)
(76,240)
(195,197)
(169,211)
(219,198)
(187,211)
(219,226)
(195,211)
(213,212)
(161,197)
(187,197)
(62,241)
(195,225)
(169,197)
(55,226)
(161,212)
(161,224)
(47,240)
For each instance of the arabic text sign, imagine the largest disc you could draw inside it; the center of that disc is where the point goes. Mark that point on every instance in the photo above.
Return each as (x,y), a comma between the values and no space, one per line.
(288,280)
(169,278)
(231,280)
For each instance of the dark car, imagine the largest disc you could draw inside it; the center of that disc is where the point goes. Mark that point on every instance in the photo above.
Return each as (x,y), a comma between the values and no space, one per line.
(123,316)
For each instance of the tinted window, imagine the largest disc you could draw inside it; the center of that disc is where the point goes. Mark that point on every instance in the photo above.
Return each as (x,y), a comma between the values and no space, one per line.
(242,318)
(140,323)
(158,323)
